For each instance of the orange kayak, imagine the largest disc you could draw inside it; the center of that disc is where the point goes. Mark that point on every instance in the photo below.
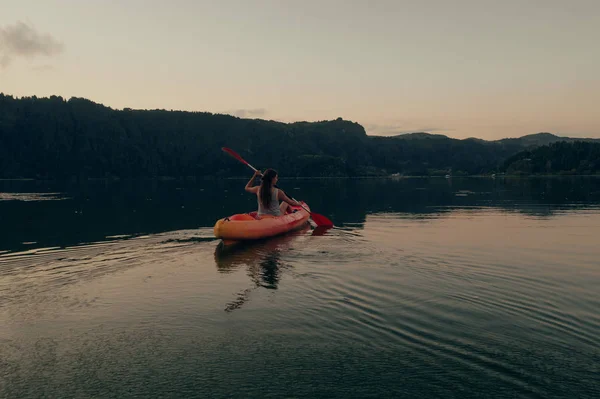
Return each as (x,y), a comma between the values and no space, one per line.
(247,226)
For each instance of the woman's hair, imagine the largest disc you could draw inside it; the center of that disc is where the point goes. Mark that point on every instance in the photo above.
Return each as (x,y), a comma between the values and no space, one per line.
(266,186)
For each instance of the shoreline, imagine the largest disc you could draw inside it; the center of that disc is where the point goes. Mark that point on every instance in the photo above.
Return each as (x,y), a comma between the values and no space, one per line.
(212,178)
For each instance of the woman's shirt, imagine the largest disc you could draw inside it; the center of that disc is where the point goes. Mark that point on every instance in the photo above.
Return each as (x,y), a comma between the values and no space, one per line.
(273,208)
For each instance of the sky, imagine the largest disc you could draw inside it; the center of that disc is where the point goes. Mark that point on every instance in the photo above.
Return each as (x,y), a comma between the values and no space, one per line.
(487,69)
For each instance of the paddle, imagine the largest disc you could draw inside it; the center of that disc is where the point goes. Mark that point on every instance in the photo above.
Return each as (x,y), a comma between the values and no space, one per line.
(319,220)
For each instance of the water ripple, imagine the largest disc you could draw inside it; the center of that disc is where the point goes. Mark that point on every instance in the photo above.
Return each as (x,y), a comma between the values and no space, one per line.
(455,302)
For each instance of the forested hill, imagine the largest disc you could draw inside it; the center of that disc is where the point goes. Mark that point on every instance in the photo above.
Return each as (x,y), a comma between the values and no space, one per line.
(58,138)
(557,158)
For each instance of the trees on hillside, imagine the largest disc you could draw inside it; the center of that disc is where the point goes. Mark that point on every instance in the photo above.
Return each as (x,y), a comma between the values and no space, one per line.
(58,138)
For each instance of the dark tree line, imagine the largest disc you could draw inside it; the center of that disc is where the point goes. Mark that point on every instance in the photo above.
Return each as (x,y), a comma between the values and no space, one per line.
(58,138)
(578,157)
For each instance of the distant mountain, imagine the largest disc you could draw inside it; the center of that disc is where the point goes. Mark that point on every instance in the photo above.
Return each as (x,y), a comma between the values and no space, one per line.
(539,139)
(536,139)
(530,140)
(420,135)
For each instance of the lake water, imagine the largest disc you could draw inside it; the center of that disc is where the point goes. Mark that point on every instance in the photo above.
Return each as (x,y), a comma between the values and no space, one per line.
(425,288)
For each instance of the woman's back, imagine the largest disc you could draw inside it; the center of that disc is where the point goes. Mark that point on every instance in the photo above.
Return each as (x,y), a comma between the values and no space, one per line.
(272,208)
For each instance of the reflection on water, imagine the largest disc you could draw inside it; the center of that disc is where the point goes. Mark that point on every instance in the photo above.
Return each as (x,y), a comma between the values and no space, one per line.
(261,259)
(92,211)
(31,197)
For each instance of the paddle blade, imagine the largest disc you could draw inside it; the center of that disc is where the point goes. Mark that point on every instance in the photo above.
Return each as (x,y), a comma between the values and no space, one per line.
(234,154)
(321,220)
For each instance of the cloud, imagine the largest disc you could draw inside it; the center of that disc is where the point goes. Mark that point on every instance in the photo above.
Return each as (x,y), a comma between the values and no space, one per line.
(22,40)
(249,113)
(43,68)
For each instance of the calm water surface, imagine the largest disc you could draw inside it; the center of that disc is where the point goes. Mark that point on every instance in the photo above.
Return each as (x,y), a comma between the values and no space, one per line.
(425,288)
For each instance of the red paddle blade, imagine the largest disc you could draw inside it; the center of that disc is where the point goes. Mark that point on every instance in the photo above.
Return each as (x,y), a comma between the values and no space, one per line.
(321,220)
(234,154)
(320,231)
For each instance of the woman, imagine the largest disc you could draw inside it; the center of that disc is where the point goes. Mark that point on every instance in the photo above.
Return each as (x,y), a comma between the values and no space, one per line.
(268,195)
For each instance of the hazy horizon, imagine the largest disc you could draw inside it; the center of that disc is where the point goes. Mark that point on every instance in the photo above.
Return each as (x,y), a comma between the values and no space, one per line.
(466,69)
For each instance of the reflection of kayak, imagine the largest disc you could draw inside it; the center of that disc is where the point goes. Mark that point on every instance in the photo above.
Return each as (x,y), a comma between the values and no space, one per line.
(251,254)
(246,226)
(262,260)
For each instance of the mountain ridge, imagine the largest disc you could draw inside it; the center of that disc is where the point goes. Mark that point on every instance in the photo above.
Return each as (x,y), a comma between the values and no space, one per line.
(541,138)
(54,138)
